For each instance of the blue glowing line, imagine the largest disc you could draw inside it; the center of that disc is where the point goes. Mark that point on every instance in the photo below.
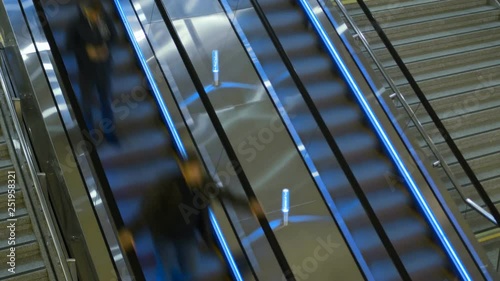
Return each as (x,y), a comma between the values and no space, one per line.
(223,85)
(149,76)
(225,247)
(252,237)
(333,52)
(173,131)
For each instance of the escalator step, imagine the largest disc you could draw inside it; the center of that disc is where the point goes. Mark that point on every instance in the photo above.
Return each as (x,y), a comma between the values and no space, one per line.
(340,120)
(355,147)
(372,175)
(313,68)
(123,63)
(408,235)
(286,20)
(383,202)
(135,149)
(299,43)
(422,265)
(130,181)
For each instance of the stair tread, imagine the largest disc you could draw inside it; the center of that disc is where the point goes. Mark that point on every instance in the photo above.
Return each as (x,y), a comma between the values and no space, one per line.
(388,5)
(22,270)
(449,64)
(20,240)
(38,274)
(5,163)
(447,33)
(480,45)
(474,146)
(455,84)
(485,167)
(440,16)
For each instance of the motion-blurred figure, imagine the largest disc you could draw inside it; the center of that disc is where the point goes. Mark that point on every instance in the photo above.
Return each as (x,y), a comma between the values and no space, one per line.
(177,215)
(91,37)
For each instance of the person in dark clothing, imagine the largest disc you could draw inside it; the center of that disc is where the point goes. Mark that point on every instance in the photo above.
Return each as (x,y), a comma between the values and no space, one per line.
(176,215)
(91,38)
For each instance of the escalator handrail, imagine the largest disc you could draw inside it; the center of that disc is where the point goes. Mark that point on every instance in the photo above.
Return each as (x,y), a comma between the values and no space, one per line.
(432,113)
(396,259)
(400,97)
(28,155)
(92,151)
(411,114)
(263,221)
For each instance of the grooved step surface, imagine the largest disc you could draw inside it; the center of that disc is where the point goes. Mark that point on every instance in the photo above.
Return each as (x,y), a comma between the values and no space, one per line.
(360,146)
(452,50)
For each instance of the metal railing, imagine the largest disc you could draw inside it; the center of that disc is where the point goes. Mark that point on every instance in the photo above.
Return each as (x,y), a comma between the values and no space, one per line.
(28,156)
(397,94)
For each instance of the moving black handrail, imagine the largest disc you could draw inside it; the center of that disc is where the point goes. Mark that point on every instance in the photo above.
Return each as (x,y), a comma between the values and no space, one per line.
(92,150)
(432,113)
(219,129)
(334,146)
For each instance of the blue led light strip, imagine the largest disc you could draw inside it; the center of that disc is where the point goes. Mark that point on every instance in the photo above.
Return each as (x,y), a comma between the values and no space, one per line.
(225,247)
(149,76)
(223,85)
(173,131)
(416,192)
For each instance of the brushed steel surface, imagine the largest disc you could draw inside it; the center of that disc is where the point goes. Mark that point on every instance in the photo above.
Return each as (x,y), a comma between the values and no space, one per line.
(206,141)
(77,220)
(245,111)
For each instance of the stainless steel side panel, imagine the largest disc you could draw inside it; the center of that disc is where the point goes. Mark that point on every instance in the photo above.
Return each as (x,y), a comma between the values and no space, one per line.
(268,156)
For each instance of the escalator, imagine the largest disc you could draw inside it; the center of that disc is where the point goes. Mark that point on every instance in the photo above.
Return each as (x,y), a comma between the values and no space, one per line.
(142,160)
(405,225)
(452,50)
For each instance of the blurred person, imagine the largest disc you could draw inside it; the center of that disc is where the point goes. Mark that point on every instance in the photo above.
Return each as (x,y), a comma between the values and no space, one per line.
(91,37)
(176,218)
